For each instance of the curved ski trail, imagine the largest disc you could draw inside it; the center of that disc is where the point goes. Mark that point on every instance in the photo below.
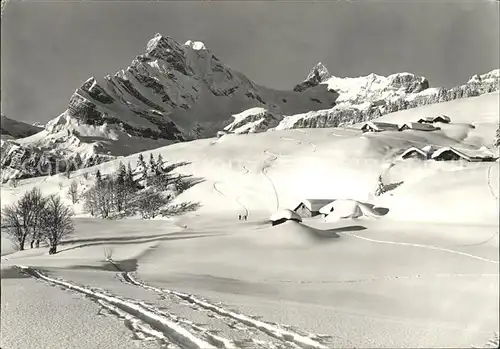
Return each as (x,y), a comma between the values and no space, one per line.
(237,199)
(300,142)
(430,247)
(264,172)
(488,178)
(291,139)
(282,333)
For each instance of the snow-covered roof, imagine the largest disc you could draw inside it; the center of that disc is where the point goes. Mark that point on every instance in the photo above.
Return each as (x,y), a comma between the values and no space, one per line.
(195,45)
(437,118)
(419,126)
(415,149)
(327,208)
(440,151)
(285,214)
(314,205)
(380,126)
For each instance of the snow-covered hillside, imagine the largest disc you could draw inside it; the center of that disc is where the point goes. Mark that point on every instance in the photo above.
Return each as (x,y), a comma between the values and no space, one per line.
(207,279)
(12,129)
(368,97)
(238,164)
(173,92)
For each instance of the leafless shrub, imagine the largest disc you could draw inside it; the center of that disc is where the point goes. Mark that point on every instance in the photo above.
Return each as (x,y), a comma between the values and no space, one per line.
(13,227)
(73,191)
(108,254)
(56,222)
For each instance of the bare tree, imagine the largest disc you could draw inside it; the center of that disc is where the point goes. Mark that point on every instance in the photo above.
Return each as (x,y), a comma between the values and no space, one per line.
(149,203)
(14,182)
(56,222)
(37,203)
(22,220)
(12,225)
(90,201)
(73,191)
(380,187)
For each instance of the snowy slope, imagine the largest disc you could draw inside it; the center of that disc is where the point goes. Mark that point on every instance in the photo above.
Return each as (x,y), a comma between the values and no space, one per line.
(173,92)
(16,129)
(368,97)
(293,163)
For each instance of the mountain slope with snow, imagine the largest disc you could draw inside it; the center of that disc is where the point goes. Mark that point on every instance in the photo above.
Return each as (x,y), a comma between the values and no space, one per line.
(16,129)
(171,93)
(368,97)
(321,281)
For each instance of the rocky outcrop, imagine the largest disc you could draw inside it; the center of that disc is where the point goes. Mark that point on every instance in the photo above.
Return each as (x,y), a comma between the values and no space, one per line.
(253,120)
(170,93)
(367,98)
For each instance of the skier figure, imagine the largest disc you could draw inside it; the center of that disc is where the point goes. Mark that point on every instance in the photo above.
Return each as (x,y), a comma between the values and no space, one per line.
(245,217)
(239,217)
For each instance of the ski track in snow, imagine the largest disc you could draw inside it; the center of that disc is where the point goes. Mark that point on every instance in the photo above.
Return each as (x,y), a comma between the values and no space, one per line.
(430,247)
(145,320)
(280,332)
(291,139)
(374,279)
(310,143)
(490,186)
(236,199)
(264,172)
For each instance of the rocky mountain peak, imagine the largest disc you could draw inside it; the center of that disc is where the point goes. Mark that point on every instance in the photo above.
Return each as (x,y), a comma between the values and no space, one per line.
(162,47)
(319,71)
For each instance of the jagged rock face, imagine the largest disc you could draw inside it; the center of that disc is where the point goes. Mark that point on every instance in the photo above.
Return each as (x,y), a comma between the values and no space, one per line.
(177,92)
(170,93)
(317,75)
(253,120)
(24,162)
(354,109)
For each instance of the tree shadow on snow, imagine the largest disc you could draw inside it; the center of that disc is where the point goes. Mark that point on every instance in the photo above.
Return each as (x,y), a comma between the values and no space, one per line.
(377,209)
(136,241)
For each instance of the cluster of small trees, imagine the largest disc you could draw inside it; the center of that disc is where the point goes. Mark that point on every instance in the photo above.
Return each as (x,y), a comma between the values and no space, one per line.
(149,191)
(37,218)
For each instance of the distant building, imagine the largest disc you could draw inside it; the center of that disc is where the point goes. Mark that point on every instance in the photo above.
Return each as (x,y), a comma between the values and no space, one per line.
(311,207)
(415,153)
(283,215)
(452,154)
(432,119)
(418,126)
(372,126)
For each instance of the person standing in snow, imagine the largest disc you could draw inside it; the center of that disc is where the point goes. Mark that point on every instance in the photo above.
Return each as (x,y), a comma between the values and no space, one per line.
(245,217)
(239,217)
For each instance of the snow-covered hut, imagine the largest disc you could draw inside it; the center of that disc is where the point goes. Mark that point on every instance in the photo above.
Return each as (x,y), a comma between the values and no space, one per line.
(418,126)
(432,119)
(452,154)
(372,126)
(340,209)
(284,215)
(418,153)
(310,207)
(449,154)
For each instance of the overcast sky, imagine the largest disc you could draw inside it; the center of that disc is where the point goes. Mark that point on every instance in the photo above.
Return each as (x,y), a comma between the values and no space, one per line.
(50,48)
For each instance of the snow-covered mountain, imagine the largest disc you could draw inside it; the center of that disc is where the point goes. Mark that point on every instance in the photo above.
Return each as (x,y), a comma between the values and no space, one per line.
(172,92)
(16,129)
(368,97)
